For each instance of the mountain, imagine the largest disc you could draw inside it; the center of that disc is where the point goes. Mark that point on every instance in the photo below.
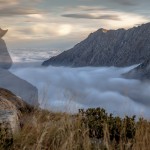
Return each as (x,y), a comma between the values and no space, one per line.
(108,48)
(141,72)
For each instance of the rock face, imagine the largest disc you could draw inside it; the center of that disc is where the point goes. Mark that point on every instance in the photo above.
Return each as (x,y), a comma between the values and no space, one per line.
(108,48)
(19,87)
(11,82)
(141,72)
(11,109)
(5,59)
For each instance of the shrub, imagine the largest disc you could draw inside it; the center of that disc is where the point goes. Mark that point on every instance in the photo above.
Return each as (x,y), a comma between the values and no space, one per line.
(96,120)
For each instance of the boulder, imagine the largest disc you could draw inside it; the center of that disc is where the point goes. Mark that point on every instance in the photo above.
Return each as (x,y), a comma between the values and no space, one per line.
(11,111)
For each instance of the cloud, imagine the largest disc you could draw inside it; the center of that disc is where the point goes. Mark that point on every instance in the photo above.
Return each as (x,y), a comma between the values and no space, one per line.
(15,7)
(39,31)
(90,16)
(62,88)
(47,20)
(9,2)
(86,8)
(125,2)
(17,11)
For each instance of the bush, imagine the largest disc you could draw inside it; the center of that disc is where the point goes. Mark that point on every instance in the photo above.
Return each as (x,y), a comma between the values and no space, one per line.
(97,120)
(90,129)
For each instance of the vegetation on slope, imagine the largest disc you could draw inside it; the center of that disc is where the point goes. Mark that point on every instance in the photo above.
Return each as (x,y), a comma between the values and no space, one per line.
(90,129)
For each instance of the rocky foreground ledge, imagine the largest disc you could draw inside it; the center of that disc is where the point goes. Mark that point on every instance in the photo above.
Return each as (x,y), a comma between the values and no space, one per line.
(11,111)
(89,129)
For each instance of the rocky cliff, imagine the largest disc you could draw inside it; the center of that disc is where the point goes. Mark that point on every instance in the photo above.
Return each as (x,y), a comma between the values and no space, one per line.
(141,72)
(108,48)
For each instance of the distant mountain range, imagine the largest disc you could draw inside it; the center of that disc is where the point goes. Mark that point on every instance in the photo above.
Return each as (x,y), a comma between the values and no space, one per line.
(118,48)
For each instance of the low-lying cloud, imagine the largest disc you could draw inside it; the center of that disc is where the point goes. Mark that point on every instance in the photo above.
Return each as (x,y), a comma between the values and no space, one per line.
(68,89)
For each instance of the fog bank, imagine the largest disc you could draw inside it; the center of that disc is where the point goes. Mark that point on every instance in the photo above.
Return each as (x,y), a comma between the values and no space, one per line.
(68,89)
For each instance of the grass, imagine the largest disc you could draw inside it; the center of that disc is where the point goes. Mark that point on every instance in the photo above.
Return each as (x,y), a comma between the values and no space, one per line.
(91,129)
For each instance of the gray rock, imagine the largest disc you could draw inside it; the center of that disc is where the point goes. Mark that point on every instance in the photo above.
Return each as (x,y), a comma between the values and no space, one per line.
(20,87)
(108,48)
(11,111)
(141,72)
(9,119)
(5,59)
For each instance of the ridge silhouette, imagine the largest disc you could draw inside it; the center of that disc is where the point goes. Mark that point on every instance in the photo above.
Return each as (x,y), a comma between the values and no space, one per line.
(9,81)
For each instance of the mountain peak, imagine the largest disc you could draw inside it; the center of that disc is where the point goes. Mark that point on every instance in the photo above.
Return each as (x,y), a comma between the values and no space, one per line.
(103,30)
(108,48)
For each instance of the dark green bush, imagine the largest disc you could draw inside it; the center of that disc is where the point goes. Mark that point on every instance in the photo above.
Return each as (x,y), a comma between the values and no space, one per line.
(97,119)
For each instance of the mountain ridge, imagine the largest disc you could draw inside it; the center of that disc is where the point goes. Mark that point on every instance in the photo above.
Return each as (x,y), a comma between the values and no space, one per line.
(141,72)
(104,47)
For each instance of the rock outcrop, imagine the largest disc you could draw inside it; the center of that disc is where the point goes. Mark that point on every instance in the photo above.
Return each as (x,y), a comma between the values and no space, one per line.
(141,72)
(18,86)
(11,111)
(5,59)
(108,48)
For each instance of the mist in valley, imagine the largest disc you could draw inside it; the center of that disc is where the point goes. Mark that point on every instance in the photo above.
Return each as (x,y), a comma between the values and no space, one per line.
(68,89)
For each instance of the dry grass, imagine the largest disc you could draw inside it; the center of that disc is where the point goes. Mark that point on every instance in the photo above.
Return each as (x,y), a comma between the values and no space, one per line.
(52,131)
(42,130)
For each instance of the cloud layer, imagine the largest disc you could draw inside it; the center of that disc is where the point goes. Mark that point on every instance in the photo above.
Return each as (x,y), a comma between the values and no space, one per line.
(10,8)
(68,89)
(38,21)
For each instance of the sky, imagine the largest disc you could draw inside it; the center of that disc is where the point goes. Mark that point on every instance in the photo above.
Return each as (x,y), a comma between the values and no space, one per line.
(60,24)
